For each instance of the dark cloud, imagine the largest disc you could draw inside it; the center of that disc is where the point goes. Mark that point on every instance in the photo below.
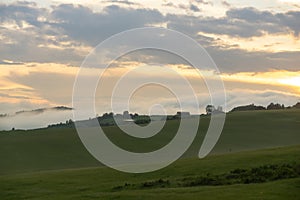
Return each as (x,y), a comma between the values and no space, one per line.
(183,6)
(237,60)
(225,3)
(21,11)
(256,22)
(29,40)
(226,25)
(129,3)
(82,24)
(194,8)
(204,2)
(244,22)
(191,7)
(169,4)
(74,26)
(291,20)
(267,21)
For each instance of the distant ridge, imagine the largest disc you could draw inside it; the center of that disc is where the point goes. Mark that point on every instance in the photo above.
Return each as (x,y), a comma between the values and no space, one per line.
(248,108)
(37,111)
(271,106)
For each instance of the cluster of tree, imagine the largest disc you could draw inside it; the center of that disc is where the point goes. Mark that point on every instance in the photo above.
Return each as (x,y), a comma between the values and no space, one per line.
(271,106)
(297,105)
(248,108)
(68,124)
(142,120)
(108,119)
(106,115)
(3,115)
(276,106)
(261,174)
(125,114)
(212,109)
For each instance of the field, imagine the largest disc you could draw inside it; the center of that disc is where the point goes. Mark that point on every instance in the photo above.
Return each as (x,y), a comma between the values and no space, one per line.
(101,182)
(53,164)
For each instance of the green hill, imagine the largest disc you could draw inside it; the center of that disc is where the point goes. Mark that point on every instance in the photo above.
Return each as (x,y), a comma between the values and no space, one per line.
(53,149)
(53,164)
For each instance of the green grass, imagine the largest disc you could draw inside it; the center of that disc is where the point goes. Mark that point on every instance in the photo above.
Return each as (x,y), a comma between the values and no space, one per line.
(99,183)
(53,164)
(59,148)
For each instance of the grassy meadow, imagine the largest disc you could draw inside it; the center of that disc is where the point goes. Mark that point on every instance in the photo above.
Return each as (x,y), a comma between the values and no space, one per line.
(53,164)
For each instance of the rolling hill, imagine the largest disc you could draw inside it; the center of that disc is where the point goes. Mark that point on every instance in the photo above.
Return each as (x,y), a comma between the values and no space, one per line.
(52,163)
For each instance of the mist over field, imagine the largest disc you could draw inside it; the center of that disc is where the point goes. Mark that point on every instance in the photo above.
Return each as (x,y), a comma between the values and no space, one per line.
(34,119)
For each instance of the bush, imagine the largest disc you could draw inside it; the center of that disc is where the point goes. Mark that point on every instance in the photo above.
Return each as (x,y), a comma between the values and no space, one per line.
(260,174)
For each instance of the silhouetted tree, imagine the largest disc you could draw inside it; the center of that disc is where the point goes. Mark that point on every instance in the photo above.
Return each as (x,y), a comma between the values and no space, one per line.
(276,106)
(210,109)
(248,108)
(297,105)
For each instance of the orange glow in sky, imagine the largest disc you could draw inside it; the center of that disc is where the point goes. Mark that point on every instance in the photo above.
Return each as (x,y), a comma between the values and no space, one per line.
(293,81)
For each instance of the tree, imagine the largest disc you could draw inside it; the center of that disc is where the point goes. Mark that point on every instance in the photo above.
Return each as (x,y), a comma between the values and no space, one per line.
(210,109)
(297,105)
(276,106)
(248,107)
(70,121)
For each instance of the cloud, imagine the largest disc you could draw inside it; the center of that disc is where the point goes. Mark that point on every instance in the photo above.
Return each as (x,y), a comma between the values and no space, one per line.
(194,8)
(235,23)
(129,3)
(66,33)
(51,88)
(27,35)
(82,24)
(271,23)
(239,22)
(225,3)
(37,111)
(169,4)
(236,60)
(291,20)
(35,38)
(21,11)
(14,96)
(9,62)
(204,2)
(38,118)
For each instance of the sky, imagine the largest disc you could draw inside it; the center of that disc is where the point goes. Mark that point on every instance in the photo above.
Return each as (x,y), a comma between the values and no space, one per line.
(255,45)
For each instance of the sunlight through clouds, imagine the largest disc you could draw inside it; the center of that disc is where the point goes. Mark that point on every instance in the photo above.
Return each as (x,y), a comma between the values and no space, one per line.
(255,44)
(266,42)
(293,81)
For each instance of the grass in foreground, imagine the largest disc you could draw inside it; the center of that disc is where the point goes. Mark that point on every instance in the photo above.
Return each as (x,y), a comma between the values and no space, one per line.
(100,183)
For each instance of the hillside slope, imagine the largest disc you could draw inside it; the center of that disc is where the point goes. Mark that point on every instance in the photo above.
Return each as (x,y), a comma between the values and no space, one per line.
(55,148)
